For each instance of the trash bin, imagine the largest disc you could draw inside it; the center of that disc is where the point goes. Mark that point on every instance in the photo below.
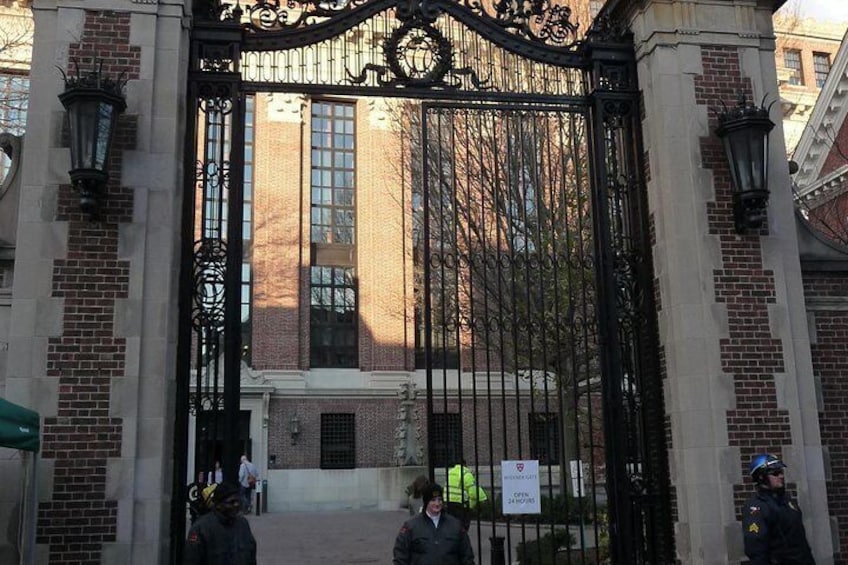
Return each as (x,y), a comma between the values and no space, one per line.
(264,495)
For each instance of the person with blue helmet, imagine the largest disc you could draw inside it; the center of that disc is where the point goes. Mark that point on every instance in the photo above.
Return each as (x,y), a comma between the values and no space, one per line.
(772,524)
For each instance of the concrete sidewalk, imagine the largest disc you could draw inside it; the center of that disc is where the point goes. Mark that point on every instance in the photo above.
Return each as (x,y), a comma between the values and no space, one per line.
(326,538)
(331,538)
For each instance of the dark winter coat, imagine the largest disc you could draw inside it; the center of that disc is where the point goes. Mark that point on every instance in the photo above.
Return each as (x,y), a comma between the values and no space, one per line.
(213,540)
(419,542)
(773,530)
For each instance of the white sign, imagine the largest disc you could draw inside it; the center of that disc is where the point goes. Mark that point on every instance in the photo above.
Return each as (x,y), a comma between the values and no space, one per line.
(577,484)
(520,487)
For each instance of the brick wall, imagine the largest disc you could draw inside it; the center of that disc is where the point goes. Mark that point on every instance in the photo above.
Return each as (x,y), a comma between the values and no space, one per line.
(483,425)
(280,216)
(838,155)
(830,364)
(79,518)
(749,352)
(829,213)
(281,247)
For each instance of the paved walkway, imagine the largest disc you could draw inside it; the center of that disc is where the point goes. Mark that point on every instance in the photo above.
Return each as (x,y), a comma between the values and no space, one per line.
(338,538)
(326,538)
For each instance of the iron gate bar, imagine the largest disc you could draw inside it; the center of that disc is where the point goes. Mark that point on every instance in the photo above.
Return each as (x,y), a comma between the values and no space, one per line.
(641,499)
(340,21)
(524,133)
(640,502)
(551,101)
(184,339)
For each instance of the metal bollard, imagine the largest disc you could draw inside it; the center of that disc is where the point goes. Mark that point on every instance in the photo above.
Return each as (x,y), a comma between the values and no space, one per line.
(498,557)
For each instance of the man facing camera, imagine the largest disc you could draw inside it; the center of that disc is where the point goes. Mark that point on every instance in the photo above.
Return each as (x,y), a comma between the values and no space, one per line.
(433,537)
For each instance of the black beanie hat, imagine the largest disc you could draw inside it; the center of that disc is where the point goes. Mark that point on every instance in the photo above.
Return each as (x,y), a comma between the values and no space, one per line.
(430,492)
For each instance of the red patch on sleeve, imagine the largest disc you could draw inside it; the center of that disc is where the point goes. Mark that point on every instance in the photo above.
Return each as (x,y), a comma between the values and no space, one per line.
(403,529)
(193,538)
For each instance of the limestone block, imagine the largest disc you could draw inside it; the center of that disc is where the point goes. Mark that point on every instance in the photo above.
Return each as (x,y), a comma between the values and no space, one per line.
(33,279)
(123,401)
(119,479)
(128,317)
(131,357)
(152,400)
(49,314)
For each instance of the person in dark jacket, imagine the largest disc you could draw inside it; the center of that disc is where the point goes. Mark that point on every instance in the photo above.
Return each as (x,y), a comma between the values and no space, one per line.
(772,524)
(223,536)
(433,537)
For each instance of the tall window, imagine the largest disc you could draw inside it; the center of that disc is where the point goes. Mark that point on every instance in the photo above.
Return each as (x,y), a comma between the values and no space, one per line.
(446,443)
(333,336)
(247,231)
(14,97)
(338,441)
(215,210)
(792,61)
(333,178)
(544,437)
(332,318)
(821,66)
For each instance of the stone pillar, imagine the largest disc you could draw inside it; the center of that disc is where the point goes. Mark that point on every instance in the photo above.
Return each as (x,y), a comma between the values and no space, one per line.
(738,374)
(93,331)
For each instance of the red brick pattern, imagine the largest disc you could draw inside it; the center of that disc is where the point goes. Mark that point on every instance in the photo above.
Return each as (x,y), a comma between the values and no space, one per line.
(280,253)
(749,352)
(829,214)
(830,364)
(838,155)
(88,356)
(485,437)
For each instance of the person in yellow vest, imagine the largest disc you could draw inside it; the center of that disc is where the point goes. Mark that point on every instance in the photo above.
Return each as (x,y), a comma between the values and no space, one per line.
(462,494)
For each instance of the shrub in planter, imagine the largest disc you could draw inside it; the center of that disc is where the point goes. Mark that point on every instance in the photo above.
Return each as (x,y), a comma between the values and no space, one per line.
(566,510)
(546,549)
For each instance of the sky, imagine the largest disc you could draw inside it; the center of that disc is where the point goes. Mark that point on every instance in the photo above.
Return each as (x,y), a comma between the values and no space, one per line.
(828,10)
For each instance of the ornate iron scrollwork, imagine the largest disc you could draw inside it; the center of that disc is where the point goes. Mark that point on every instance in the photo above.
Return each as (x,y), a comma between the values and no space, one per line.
(537,20)
(210,260)
(540,21)
(205,402)
(274,15)
(418,55)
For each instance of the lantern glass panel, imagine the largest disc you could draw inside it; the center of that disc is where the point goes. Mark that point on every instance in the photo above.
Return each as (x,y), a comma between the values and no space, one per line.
(82,117)
(747,151)
(90,124)
(104,133)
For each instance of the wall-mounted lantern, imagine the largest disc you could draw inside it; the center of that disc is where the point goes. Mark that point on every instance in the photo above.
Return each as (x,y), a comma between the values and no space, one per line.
(744,131)
(294,428)
(93,103)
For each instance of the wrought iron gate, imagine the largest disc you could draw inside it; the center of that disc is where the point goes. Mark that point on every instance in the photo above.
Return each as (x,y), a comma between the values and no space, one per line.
(530,236)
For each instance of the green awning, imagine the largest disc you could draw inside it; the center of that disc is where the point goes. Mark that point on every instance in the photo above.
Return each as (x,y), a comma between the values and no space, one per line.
(19,427)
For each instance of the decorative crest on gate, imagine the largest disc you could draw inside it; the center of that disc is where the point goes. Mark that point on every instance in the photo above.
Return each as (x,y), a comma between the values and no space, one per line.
(542,21)
(411,43)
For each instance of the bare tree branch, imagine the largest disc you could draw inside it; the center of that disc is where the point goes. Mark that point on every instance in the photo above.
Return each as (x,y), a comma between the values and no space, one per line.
(16,34)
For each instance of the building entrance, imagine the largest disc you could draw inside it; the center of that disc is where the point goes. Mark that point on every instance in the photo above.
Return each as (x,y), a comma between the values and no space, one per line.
(450,193)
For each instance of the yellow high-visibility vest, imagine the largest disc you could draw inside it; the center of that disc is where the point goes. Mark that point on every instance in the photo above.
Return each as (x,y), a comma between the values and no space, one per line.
(461,485)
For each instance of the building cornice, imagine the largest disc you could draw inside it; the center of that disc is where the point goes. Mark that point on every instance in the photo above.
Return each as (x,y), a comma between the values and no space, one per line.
(825,122)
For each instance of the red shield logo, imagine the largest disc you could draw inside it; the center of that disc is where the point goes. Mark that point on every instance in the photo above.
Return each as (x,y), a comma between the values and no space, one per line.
(520,467)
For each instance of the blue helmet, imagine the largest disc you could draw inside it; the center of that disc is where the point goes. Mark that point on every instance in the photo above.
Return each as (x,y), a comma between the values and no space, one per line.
(762,463)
